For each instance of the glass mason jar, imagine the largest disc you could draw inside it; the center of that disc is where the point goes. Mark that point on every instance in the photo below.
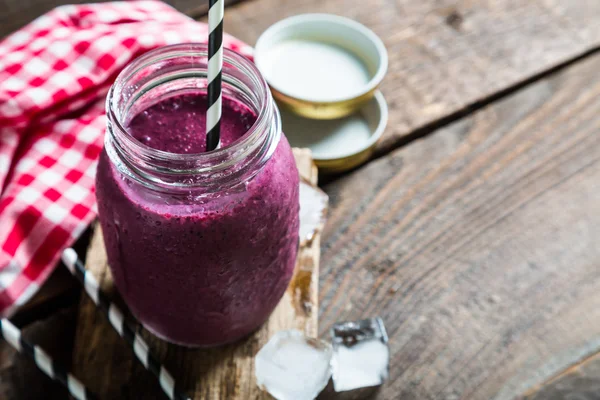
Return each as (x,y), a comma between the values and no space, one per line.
(201,246)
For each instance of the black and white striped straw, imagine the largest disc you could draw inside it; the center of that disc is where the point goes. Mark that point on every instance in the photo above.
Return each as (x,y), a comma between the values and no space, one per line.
(215,66)
(117,320)
(12,335)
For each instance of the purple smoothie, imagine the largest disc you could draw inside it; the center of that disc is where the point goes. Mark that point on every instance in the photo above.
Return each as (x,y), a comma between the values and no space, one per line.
(200,273)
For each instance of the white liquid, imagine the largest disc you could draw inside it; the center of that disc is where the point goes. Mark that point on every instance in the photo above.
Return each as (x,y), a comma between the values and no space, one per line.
(314,71)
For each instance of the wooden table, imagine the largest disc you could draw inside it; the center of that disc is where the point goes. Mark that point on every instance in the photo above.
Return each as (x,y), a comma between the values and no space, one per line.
(474,232)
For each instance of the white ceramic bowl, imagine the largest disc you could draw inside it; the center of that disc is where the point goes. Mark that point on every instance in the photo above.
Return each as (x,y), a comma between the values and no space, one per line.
(321,66)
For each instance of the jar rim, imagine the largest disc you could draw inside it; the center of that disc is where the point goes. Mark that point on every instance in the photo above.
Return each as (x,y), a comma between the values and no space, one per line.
(252,150)
(200,50)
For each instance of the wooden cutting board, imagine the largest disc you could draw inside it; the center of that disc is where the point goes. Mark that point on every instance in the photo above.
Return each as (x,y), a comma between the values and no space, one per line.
(108,367)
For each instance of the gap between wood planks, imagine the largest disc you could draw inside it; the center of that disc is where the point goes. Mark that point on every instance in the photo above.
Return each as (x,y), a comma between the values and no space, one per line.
(464,112)
(472,108)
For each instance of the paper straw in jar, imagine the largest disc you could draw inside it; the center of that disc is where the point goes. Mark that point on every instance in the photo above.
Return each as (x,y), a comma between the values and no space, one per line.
(215,66)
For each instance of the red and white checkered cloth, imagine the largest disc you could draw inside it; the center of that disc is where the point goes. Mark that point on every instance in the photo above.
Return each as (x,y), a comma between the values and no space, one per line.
(54,76)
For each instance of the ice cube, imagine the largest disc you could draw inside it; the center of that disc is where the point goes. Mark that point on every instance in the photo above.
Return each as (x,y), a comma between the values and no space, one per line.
(293,367)
(360,354)
(313,210)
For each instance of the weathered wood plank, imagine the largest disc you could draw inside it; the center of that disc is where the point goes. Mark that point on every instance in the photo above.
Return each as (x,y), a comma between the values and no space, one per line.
(477,245)
(103,361)
(446,55)
(17,13)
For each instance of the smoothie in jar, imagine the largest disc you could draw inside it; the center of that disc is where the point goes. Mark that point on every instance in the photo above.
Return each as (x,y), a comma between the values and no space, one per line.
(201,245)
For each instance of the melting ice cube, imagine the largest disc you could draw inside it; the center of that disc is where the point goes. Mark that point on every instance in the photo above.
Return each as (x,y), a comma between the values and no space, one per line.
(360,354)
(313,210)
(293,367)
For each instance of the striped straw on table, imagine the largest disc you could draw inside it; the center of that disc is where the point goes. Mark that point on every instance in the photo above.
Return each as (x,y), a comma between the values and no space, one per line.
(117,320)
(215,66)
(12,335)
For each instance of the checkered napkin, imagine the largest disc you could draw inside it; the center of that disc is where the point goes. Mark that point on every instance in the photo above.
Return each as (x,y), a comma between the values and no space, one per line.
(54,76)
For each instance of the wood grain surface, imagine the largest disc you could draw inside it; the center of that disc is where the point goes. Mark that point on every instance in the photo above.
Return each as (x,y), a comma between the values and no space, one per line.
(17,13)
(104,362)
(447,55)
(477,245)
